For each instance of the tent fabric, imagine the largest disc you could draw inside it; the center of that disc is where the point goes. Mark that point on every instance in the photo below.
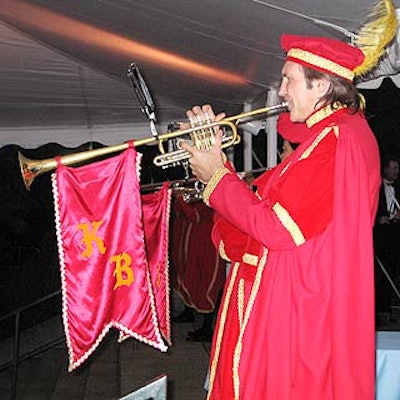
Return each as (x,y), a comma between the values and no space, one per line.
(64,62)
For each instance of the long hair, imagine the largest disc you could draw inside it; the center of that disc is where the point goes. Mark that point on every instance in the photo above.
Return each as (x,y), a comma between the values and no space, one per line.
(341,91)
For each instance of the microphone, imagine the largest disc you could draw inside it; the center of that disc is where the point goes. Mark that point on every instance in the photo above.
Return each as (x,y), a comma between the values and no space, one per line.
(143,95)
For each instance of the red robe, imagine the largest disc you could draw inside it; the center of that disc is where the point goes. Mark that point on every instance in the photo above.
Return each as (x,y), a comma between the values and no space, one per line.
(297,318)
(197,271)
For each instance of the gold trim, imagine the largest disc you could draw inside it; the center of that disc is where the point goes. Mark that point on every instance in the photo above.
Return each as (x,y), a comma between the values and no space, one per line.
(241,302)
(316,142)
(239,345)
(285,168)
(288,222)
(221,326)
(250,259)
(321,62)
(221,251)
(323,113)
(211,185)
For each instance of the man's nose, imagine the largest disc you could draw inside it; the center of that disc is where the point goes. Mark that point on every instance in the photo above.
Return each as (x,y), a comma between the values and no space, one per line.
(282,90)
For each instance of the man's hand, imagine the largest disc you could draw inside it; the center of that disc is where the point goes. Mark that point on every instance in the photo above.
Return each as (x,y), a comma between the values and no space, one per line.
(383,220)
(198,116)
(204,163)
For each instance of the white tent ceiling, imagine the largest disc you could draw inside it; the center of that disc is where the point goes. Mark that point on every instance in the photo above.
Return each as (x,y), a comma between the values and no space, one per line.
(64,62)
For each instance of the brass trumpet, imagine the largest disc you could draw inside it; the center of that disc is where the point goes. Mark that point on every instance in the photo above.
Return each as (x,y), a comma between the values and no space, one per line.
(202,137)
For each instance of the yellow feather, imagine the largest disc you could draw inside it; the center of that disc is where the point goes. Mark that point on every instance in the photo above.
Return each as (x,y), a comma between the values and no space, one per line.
(376,34)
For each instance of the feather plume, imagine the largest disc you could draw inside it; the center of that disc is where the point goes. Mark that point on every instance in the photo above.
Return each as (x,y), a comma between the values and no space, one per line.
(374,36)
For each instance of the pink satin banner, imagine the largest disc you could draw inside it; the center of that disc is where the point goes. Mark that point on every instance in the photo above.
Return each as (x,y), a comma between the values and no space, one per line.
(105,274)
(156,215)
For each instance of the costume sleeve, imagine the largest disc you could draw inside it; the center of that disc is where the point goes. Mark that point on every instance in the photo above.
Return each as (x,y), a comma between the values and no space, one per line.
(297,207)
(229,240)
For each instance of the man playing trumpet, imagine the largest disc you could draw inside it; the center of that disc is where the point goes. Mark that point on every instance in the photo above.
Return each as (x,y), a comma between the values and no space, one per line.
(297,317)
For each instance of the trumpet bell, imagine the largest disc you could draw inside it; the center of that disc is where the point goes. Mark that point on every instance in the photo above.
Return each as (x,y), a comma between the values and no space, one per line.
(30,169)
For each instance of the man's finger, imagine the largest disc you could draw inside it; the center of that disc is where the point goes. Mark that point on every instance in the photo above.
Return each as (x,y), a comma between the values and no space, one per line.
(186,146)
(218,139)
(220,116)
(194,114)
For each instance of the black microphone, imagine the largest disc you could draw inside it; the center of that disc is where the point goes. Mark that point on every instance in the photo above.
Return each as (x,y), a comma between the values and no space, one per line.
(143,95)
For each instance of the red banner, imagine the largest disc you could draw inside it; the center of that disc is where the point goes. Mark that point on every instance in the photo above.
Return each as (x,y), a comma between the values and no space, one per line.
(104,271)
(156,213)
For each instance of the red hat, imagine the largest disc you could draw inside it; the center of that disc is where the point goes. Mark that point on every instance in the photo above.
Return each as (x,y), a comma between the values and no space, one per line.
(323,54)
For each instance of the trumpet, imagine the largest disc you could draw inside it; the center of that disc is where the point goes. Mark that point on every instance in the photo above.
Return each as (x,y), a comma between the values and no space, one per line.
(201,135)
(190,189)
